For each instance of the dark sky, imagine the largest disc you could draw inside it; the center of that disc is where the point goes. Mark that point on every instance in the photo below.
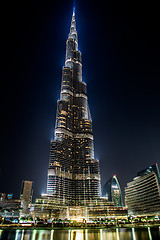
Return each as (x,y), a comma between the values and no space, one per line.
(120,45)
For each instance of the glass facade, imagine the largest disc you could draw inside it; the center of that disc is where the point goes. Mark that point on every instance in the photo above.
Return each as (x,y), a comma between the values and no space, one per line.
(73,174)
(112,191)
(142,195)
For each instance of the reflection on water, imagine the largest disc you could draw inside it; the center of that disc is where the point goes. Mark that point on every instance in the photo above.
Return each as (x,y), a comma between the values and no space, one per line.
(83,234)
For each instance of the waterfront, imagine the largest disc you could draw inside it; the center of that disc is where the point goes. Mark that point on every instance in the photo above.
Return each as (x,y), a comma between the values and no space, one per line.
(82,234)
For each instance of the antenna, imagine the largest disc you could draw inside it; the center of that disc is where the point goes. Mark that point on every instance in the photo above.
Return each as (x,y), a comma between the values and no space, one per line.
(74,8)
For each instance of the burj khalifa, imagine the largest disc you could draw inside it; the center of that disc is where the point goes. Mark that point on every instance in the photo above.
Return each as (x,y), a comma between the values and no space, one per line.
(73,173)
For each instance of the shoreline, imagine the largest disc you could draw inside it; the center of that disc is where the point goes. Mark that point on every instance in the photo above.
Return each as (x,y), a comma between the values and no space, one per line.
(74,227)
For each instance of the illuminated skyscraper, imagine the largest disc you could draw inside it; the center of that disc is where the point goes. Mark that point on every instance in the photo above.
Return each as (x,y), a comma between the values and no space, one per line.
(112,191)
(73,174)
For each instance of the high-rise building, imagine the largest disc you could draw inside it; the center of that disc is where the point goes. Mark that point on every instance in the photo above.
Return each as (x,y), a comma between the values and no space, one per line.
(26,195)
(112,191)
(142,195)
(73,174)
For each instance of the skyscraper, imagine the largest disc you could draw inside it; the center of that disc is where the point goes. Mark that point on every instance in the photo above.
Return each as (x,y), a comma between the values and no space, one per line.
(112,191)
(73,174)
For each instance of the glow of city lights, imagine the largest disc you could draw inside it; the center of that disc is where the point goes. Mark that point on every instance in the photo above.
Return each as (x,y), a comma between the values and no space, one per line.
(78,219)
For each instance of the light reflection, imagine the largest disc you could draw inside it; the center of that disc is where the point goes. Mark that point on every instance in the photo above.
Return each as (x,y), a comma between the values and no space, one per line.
(86,234)
(22,236)
(69,234)
(100,234)
(17,233)
(117,233)
(34,234)
(77,235)
(52,232)
(133,234)
(149,233)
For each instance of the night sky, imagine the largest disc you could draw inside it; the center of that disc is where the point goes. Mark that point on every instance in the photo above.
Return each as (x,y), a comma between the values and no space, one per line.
(120,47)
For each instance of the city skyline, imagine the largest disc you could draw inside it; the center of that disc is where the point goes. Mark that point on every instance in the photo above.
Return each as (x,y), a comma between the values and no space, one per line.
(125,113)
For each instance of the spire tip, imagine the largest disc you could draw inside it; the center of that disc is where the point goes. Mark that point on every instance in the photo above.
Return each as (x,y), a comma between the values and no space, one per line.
(74,11)
(74,8)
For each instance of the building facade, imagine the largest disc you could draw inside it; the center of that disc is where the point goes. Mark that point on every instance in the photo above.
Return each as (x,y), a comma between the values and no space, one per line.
(73,174)
(112,191)
(142,195)
(47,208)
(26,195)
(9,206)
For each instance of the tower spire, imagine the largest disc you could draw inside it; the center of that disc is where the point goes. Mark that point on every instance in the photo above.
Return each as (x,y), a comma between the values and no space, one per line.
(73,11)
(73,31)
(73,174)
(74,8)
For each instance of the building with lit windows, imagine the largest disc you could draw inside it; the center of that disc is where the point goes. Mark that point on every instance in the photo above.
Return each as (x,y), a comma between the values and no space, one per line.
(73,174)
(9,207)
(73,184)
(142,194)
(4,196)
(26,195)
(112,191)
(48,208)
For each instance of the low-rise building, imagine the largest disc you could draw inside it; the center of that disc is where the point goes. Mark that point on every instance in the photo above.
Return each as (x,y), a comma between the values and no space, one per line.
(142,195)
(48,208)
(9,207)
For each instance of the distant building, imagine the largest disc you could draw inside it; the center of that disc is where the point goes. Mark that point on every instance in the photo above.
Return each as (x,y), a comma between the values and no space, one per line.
(112,191)
(9,207)
(26,195)
(2,197)
(142,195)
(9,196)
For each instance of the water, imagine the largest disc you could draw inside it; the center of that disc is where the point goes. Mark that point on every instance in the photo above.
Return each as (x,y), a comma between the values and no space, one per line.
(83,234)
